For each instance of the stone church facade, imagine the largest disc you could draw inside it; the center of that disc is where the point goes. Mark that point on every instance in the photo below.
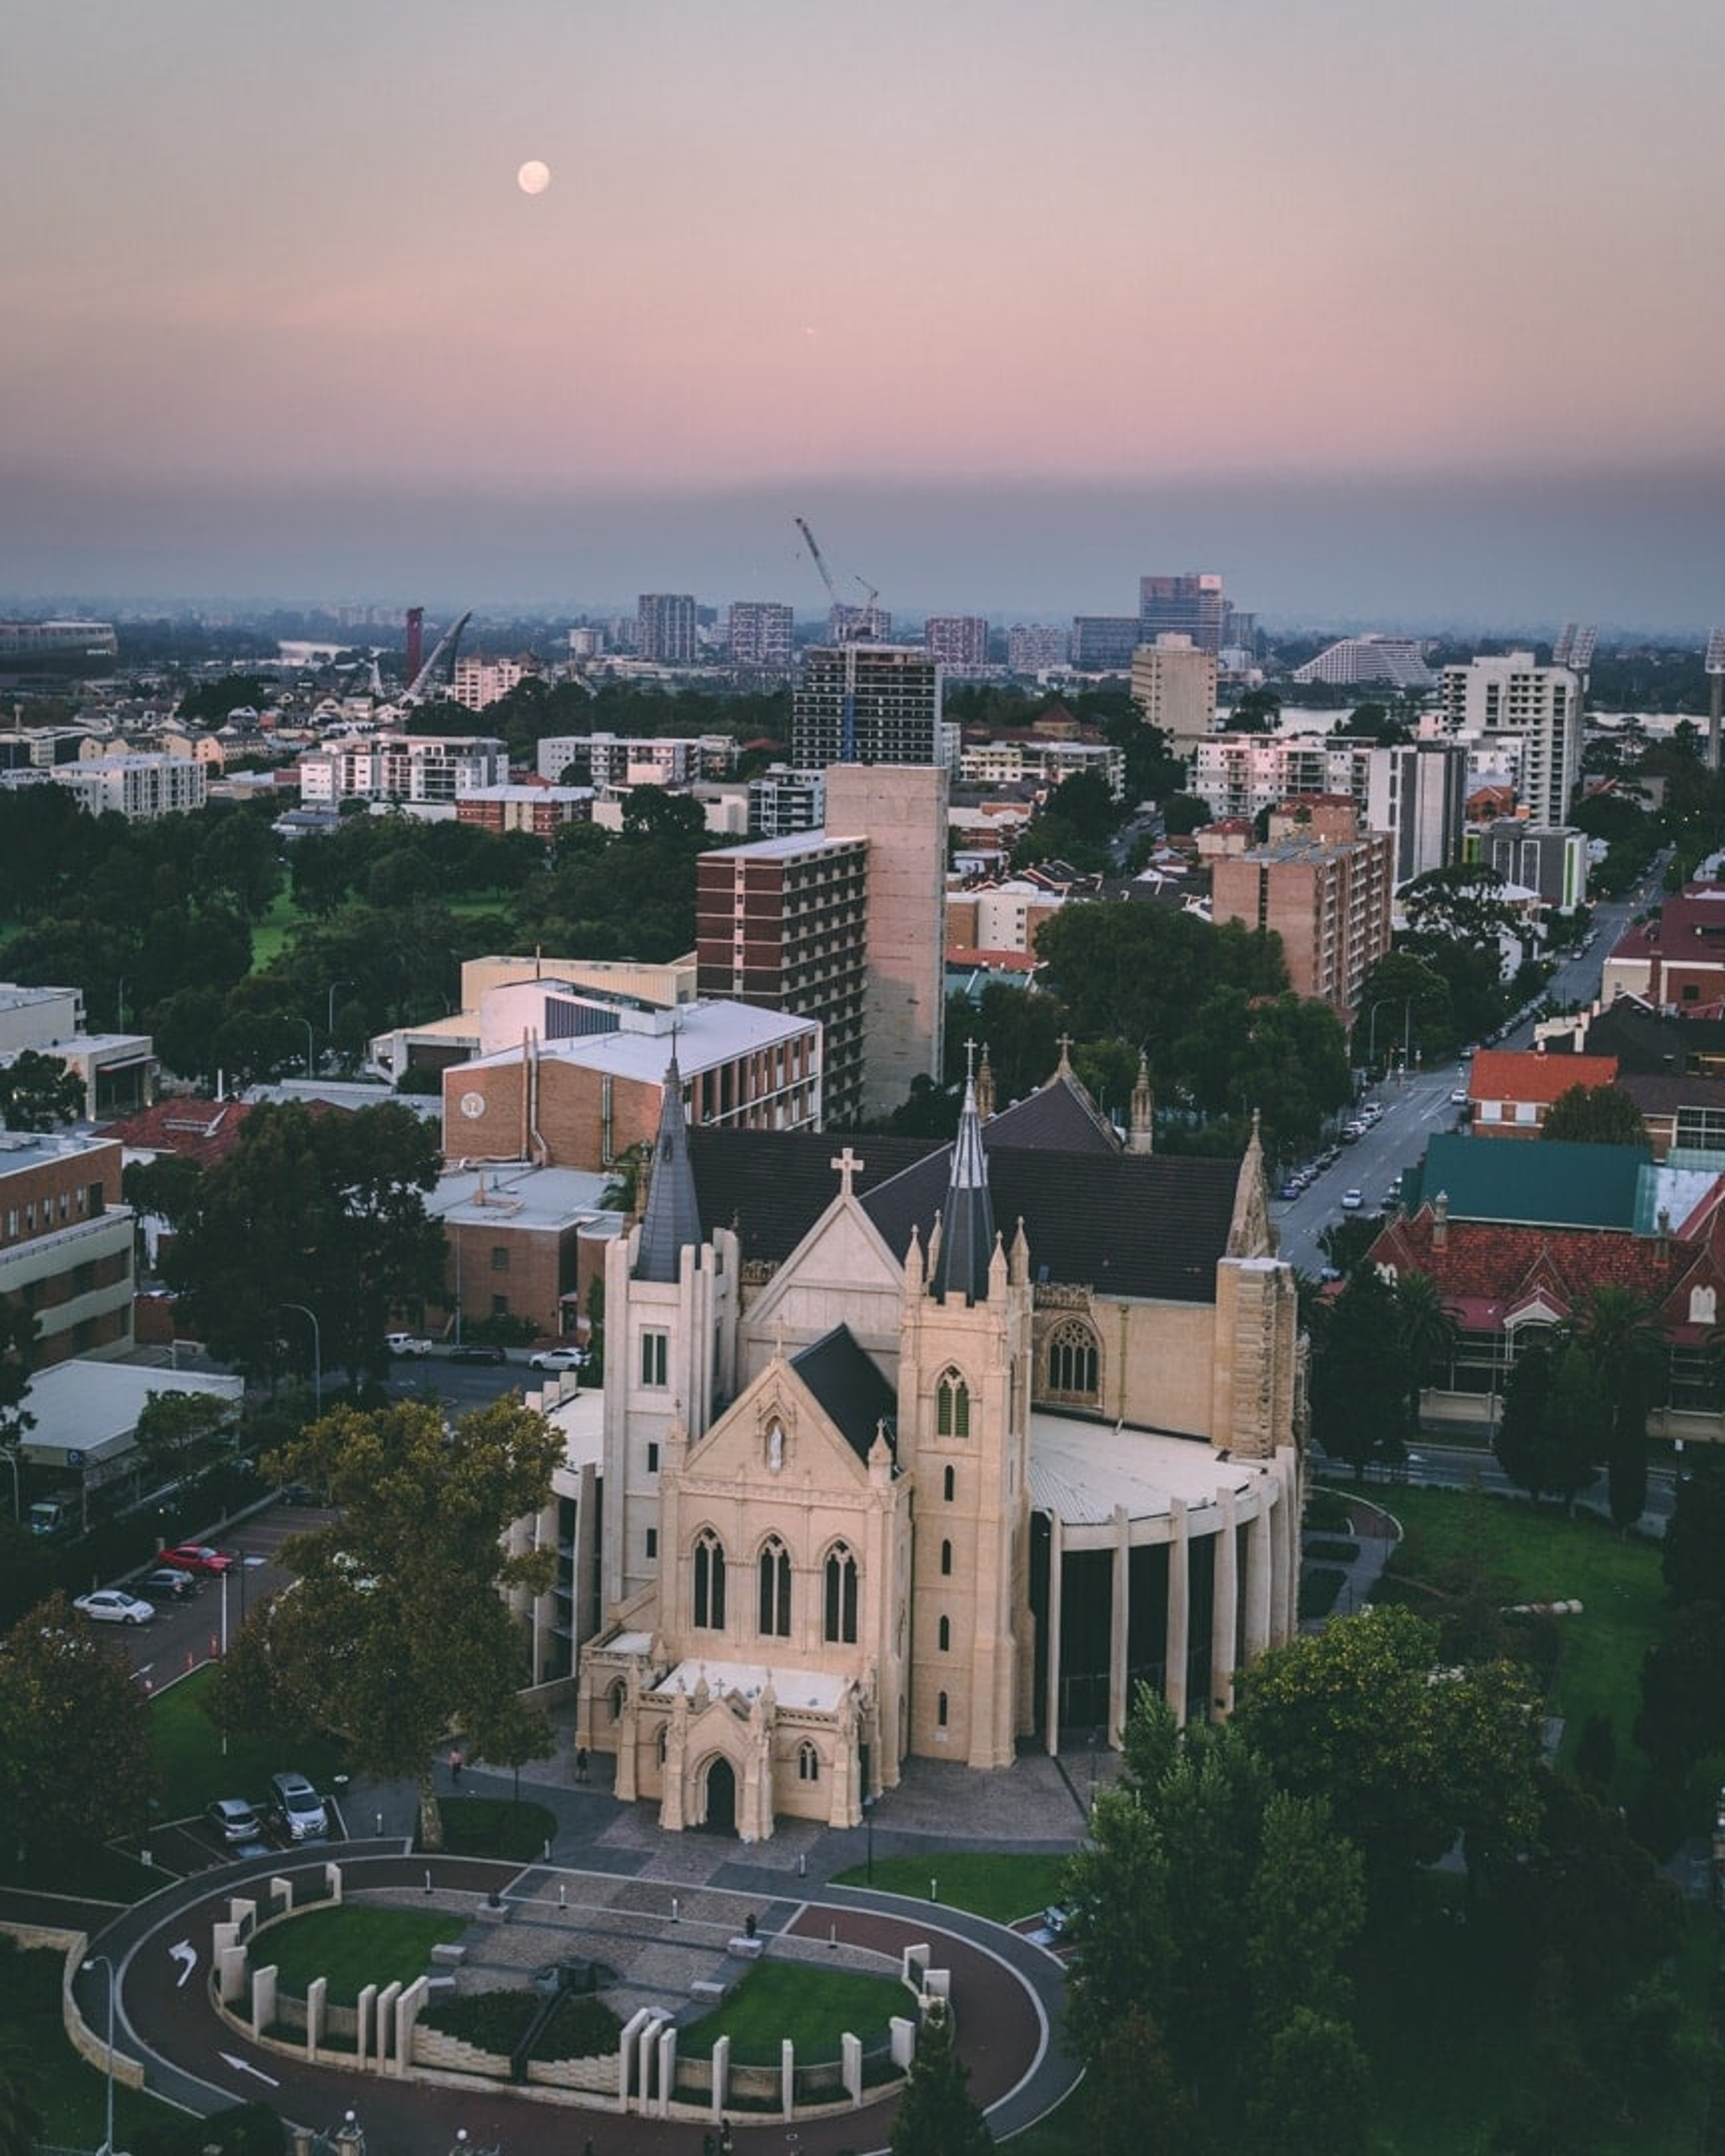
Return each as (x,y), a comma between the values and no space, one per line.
(933,1451)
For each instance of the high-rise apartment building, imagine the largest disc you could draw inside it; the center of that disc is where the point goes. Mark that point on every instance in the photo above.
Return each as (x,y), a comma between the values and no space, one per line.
(1035,647)
(759,633)
(665,627)
(1326,896)
(1174,687)
(1418,793)
(959,641)
(844,622)
(480,683)
(1190,605)
(865,703)
(783,925)
(1509,698)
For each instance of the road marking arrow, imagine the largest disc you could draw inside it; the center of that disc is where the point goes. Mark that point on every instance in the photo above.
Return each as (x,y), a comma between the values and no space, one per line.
(186,1955)
(245,2066)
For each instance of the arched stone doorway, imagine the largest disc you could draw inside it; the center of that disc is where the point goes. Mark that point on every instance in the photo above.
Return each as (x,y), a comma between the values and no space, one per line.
(719,1813)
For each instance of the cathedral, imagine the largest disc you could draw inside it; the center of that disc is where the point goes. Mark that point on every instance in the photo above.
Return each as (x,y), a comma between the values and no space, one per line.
(932,1449)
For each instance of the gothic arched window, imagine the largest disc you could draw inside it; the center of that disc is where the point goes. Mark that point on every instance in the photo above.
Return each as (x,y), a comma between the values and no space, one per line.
(949,1484)
(775,1599)
(807,1763)
(946,1558)
(839,1627)
(709,1582)
(946,1635)
(1072,1360)
(951,1406)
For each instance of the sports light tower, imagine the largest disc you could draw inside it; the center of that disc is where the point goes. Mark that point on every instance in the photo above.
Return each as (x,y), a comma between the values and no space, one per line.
(1714,664)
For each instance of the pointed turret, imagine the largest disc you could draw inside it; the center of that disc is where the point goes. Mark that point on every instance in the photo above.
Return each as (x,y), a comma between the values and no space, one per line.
(967,1244)
(1144,1124)
(672,1220)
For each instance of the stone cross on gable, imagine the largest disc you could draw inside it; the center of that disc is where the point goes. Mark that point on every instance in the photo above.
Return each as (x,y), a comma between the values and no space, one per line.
(969,1060)
(846,1166)
(1063,1041)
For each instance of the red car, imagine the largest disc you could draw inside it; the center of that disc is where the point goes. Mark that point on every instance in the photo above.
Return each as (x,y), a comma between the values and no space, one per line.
(197,1556)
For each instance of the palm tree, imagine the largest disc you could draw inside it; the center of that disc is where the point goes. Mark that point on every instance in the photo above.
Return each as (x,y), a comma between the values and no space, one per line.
(1624,1339)
(1426,1328)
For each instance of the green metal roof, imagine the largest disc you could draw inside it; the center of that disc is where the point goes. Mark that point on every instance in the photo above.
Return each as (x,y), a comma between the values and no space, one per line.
(1531,1181)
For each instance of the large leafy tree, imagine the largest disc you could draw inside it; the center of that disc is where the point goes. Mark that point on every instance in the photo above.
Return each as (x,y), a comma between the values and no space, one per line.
(1136,972)
(39,1092)
(1426,1327)
(397,1631)
(1594,1115)
(75,1764)
(325,1210)
(1552,1432)
(1359,1376)
(1408,1753)
(1693,1556)
(1682,1715)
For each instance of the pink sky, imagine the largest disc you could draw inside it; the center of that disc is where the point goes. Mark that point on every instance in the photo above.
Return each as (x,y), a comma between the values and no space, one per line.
(1123,242)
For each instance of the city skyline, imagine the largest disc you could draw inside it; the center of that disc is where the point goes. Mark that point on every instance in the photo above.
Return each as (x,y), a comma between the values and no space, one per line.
(1389,321)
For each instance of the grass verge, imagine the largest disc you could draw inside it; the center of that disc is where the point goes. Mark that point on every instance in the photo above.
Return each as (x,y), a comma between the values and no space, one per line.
(814,2007)
(1003,1888)
(354,1947)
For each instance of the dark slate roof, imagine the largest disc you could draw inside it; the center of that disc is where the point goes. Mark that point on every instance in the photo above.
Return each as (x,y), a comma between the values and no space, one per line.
(1535,1181)
(1060,1114)
(851,1391)
(1665,1094)
(773,1186)
(1142,1225)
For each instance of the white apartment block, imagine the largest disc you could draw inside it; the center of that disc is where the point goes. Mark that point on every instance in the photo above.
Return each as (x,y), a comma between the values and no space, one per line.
(479,682)
(623,760)
(1039,763)
(759,633)
(1242,774)
(959,641)
(1510,698)
(139,787)
(1174,685)
(1038,647)
(412,767)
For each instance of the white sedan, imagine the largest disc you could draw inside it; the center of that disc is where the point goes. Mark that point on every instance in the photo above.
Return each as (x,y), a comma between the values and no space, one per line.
(558,1358)
(109,1606)
(1351,1200)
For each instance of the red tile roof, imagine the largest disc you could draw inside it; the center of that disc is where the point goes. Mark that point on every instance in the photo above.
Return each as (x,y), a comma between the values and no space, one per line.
(1519,1074)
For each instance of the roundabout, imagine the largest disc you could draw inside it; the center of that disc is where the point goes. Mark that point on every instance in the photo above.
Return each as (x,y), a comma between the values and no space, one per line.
(668,1940)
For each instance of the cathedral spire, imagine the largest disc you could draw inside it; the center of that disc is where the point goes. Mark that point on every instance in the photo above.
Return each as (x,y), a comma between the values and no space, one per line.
(967,1247)
(672,1219)
(1144,1124)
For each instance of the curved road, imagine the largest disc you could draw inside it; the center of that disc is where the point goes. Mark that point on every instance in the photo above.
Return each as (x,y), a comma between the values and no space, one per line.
(1009,1992)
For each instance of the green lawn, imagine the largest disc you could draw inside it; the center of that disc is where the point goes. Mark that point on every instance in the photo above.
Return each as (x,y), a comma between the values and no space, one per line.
(271,932)
(1549,1559)
(1002,1888)
(814,2007)
(354,1947)
(194,1762)
(494,1826)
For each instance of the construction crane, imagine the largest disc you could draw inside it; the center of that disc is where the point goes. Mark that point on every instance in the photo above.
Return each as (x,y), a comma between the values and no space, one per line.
(847,709)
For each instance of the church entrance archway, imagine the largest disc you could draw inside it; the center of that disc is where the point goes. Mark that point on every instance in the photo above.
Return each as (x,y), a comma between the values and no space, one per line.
(720,1811)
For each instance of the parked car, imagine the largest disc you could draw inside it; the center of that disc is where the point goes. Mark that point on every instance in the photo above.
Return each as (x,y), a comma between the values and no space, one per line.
(407,1343)
(1291,1189)
(108,1606)
(297,1493)
(476,1351)
(298,1808)
(168,1584)
(198,1556)
(235,1821)
(1458,1098)
(558,1358)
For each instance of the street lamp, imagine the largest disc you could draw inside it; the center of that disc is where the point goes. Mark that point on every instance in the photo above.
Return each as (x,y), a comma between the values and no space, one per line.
(317,1352)
(330,1017)
(107,2147)
(1407,1004)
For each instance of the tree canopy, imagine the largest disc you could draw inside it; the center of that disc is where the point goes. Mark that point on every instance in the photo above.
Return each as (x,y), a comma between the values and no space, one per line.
(397,1631)
(76,1763)
(1594,1115)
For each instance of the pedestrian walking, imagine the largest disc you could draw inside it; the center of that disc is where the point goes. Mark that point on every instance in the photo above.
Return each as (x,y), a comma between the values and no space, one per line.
(724,2137)
(580,1763)
(455,1766)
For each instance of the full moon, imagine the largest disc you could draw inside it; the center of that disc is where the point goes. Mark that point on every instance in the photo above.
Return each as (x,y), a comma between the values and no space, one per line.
(534,177)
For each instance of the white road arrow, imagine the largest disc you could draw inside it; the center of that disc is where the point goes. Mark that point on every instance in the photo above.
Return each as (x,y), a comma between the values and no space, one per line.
(245,2066)
(186,1955)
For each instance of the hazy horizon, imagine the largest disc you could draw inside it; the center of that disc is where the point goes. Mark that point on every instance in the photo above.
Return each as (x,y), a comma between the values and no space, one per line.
(1387,316)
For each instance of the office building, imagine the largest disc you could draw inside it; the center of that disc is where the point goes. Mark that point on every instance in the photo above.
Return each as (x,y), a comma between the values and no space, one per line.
(1510,699)
(1533,857)
(759,633)
(665,627)
(1191,605)
(1174,687)
(1104,643)
(1039,647)
(865,703)
(66,1243)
